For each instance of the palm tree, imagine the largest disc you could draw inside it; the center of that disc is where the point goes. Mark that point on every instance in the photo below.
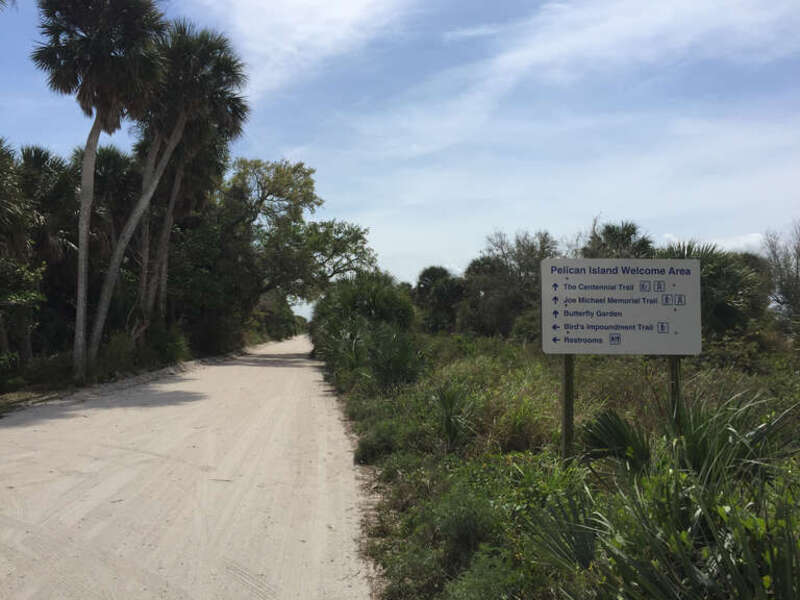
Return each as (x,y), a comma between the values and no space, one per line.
(12,213)
(622,240)
(104,52)
(203,81)
(200,162)
(11,209)
(731,291)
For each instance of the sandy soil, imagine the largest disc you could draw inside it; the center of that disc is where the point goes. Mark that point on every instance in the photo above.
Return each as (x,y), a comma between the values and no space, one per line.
(227,481)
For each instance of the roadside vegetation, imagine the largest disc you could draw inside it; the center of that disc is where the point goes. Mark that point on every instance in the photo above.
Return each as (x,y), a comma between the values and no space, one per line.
(458,410)
(115,261)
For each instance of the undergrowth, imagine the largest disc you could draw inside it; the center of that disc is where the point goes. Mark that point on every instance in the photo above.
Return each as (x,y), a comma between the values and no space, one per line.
(476,504)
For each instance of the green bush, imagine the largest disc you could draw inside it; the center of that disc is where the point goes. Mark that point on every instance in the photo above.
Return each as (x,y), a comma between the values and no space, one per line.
(380,440)
(528,327)
(117,356)
(55,370)
(169,344)
(362,330)
(393,358)
(9,365)
(462,521)
(490,575)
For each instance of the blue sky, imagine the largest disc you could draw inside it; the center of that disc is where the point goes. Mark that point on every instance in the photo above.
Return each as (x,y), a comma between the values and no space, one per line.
(436,123)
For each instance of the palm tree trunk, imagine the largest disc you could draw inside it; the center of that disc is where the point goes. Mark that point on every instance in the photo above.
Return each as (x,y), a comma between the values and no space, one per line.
(148,189)
(84,223)
(145,254)
(159,277)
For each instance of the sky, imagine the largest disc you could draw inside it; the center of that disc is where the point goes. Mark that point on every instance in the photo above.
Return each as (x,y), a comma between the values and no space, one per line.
(434,124)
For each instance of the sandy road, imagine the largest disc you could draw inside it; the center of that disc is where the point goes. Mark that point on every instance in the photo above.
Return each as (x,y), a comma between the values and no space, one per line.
(228,481)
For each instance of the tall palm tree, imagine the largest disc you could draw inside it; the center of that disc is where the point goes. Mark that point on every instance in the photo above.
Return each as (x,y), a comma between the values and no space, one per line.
(104,52)
(203,80)
(200,162)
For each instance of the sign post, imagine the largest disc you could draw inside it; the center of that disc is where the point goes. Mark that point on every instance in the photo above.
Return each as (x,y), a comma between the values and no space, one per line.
(619,306)
(568,406)
(675,391)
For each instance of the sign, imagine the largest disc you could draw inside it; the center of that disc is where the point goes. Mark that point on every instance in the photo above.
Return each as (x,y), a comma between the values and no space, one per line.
(621,306)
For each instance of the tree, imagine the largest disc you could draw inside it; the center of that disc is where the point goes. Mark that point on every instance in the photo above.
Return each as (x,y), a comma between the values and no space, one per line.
(274,197)
(203,80)
(492,300)
(12,210)
(438,293)
(337,249)
(732,292)
(783,256)
(504,283)
(623,240)
(49,182)
(104,52)
(12,217)
(301,259)
(197,167)
(48,185)
(427,279)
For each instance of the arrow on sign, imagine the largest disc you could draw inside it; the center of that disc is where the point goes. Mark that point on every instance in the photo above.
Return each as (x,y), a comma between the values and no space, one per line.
(555,299)
(555,287)
(555,314)
(555,327)
(556,340)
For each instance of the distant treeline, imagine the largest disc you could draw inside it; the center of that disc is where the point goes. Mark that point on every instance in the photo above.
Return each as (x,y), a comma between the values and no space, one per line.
(743,293)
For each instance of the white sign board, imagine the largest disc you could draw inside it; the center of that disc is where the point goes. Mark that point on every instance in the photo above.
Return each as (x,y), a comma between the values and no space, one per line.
(620,306)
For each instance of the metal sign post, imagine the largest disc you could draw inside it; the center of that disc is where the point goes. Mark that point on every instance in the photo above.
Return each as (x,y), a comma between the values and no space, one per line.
(619,306)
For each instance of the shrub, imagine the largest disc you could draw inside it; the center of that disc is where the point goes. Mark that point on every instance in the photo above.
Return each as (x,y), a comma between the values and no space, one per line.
(55,370)
(393,358)
(463,520)
(528,327)
(379,441)
(362,330)
(491,575)
(454,407)
(9,363)
(169,344)
(118,356)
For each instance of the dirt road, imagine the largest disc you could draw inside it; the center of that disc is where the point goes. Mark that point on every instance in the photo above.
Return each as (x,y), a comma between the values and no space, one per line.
(227,481)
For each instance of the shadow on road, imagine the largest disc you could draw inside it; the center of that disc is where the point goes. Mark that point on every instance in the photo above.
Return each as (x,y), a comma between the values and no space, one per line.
(281,361)
(132,395)
(76,405)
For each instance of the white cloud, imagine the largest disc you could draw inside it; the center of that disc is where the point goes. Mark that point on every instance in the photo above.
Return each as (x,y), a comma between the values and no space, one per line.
(467,33)
(283,40)
(565,41)
(744,242)
(714,180)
